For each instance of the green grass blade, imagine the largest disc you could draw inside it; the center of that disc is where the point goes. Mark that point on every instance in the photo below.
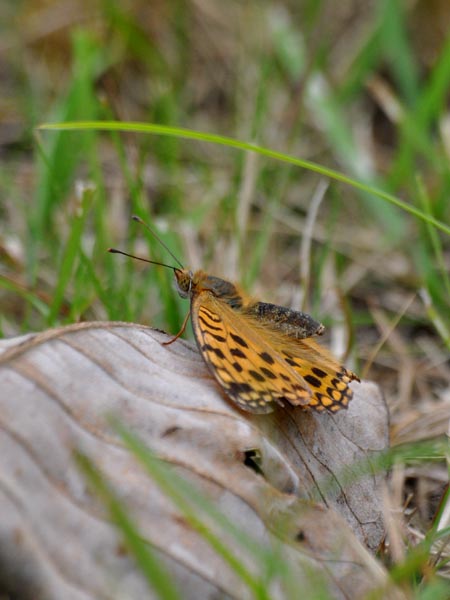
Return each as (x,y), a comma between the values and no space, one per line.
(60,159)
(158,578)
(233,143)
(31,297)
(416,135)
(397,49)
(434,238)
(69,256)
(185,497)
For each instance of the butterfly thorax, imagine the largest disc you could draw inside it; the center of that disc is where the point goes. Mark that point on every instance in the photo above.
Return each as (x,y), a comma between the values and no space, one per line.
(190,284)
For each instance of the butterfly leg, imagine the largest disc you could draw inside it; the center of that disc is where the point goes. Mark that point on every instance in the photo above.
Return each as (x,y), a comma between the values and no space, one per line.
(180,333)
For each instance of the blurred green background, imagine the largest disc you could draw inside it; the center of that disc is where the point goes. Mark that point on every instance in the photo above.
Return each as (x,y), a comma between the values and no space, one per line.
(360,87)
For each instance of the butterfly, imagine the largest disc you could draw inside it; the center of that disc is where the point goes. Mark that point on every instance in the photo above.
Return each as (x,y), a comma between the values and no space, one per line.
(261,354)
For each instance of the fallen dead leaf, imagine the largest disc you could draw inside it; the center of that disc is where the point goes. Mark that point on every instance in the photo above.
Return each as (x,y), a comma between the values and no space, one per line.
(57,390)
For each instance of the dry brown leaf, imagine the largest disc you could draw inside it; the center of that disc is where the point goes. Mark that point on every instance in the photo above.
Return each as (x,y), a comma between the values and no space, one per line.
(57,390)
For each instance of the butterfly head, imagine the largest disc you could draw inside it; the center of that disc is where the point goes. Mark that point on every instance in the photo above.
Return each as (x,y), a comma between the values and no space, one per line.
(183,279)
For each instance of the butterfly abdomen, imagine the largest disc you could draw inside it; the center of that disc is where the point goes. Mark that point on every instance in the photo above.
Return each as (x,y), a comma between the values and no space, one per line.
(293,323)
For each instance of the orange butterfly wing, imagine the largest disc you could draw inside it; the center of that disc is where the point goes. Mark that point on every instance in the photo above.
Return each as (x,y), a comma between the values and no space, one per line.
(259,368)
(326,377)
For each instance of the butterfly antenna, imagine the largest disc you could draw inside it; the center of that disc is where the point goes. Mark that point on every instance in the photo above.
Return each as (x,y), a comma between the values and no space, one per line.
(139,220)
(152,262)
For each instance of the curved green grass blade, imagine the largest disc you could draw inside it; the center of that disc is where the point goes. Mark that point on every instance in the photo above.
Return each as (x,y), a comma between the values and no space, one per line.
(233,143)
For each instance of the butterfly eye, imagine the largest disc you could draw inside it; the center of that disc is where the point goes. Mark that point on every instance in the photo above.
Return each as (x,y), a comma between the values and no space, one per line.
(181,289)
(183,280)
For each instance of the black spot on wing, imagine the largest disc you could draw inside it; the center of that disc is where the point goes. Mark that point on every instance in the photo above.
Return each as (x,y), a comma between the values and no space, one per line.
(217,351)
(240,341)
(292,362)
(256,376)
(312,380)
(319,372)
(235,389)
(217,337)
(268,373)
(208,315)
(267,358)
(208,325)
(237,352)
